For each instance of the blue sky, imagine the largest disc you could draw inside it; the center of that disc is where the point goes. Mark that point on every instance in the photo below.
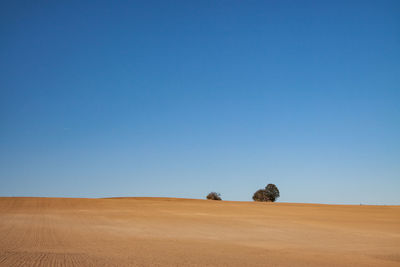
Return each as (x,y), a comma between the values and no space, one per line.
(180,98)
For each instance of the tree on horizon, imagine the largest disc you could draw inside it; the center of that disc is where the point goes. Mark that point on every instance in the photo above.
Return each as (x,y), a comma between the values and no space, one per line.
(269,194)
(214,196)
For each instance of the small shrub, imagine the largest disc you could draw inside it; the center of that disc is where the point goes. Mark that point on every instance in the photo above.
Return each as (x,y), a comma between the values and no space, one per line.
(214,196)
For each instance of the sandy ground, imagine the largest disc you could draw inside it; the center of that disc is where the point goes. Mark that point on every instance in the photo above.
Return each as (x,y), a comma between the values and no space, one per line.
(184,232)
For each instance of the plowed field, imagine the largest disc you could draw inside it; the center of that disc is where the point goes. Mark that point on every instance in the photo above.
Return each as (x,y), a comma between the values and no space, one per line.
(185,232)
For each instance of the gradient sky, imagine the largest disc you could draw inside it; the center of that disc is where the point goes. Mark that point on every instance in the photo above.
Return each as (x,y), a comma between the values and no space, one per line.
(180,98)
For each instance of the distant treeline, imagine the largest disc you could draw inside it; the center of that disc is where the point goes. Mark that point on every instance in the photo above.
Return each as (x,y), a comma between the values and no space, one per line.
(269,194)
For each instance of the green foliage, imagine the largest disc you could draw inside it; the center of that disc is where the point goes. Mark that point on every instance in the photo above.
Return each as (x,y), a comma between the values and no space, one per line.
(269,194)
(214,196)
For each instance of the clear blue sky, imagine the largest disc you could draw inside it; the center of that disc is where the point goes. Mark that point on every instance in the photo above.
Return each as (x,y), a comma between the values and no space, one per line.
(179,98)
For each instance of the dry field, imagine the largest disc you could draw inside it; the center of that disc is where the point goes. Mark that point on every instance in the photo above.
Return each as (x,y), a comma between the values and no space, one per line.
(184,232)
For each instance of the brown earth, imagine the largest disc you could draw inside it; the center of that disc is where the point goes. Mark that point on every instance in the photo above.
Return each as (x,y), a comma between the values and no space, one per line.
(184,232)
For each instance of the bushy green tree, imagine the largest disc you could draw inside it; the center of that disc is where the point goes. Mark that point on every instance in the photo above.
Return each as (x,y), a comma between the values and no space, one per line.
(214,196)
(269,194)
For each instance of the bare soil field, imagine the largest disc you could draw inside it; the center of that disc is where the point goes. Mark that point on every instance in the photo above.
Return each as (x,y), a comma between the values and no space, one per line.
(185,232)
